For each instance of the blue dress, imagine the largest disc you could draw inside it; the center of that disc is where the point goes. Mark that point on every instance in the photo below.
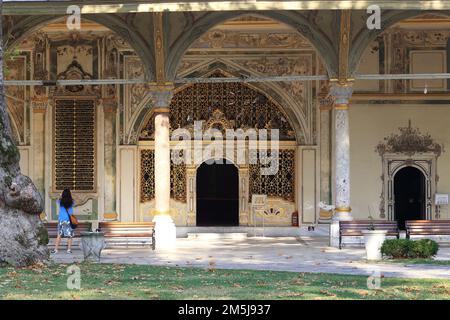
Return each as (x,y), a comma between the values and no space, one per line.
(64,228)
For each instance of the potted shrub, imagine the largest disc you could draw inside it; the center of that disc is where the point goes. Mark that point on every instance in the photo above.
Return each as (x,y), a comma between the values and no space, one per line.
(373,240)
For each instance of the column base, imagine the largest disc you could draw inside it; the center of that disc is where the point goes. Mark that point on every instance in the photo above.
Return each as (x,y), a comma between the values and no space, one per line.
(334,234)
(342,214)
(165,232)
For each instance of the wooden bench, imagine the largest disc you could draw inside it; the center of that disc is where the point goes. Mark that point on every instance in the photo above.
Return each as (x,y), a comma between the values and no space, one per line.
(128,233)
(427,228)
(52,229)
(354,228)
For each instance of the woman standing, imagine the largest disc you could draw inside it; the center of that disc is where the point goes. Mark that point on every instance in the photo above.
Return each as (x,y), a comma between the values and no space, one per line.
(64,228)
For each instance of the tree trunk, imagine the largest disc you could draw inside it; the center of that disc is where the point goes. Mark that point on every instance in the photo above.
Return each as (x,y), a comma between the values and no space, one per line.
(23,237)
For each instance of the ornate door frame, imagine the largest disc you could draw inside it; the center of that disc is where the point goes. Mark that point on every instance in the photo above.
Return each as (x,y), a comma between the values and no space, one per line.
(392,163)
(408,148)
(191,176)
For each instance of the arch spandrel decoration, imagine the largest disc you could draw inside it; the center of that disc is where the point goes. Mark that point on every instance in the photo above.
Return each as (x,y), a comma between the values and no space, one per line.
(408,148)
(233,105)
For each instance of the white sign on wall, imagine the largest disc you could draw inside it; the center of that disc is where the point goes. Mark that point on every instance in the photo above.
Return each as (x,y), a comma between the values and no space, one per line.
(259,201)
(441,199)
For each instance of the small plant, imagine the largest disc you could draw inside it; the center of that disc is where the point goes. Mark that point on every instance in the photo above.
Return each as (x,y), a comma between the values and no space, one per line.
(409,249)
(423,248)
(371,225)
(396,248)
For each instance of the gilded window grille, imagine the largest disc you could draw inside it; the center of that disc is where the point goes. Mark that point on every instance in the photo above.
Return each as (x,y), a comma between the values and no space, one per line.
(177,178)
(281,184)
(74,145)
(242,105)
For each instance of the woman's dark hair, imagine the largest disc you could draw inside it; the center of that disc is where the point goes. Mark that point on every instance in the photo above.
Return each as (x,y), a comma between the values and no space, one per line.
(66,199)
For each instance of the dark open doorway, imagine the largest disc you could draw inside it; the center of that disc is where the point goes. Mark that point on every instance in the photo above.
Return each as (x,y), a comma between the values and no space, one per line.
(409,195)
(217,195)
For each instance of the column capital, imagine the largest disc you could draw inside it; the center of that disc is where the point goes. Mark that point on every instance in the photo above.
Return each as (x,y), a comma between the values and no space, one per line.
(325,103)
(161,95)
(109,105)
(39,105)
(341,92)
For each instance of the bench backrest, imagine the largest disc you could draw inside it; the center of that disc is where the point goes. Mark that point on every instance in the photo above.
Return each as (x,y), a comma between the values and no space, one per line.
(427,225)
(52,228)
(127,228)
(359,225)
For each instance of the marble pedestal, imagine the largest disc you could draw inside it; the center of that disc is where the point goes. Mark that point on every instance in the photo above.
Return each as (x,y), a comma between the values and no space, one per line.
(92,244)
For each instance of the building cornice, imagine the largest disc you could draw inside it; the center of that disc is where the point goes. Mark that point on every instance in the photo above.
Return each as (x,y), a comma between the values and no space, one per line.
(112,6)
(364,97)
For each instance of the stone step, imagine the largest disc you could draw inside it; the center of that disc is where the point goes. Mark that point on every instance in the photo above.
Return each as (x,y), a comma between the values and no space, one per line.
(217,235)
(268,231)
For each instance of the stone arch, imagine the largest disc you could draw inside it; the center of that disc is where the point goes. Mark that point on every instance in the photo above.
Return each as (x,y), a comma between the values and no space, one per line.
(293,19)
(140,118)
(31,24)
(211,159)
(272,92)
(388,18)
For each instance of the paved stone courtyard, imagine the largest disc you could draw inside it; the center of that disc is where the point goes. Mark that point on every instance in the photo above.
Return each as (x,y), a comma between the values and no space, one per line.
(301,254)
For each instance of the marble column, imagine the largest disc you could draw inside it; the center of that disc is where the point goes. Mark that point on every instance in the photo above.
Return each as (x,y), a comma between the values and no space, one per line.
(39,107)
(325,109)
(165,231)
(110,113)
(341,94)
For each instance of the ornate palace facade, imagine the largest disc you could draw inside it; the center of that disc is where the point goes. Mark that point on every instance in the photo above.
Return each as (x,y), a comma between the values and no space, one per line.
(109,143)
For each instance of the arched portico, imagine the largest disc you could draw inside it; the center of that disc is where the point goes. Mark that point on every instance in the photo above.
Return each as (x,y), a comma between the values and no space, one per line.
(293,19)
(388,18)
(31,24)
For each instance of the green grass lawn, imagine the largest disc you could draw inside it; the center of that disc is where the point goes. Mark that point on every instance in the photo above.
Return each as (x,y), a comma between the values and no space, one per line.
(108,281)
(419,261)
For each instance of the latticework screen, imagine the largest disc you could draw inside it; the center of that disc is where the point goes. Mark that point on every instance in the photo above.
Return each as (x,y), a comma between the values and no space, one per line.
(177,178)
(243,106)
(74,145)
(281,184)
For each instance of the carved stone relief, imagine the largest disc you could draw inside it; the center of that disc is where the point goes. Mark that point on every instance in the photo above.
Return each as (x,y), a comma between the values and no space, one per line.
(250,40)
(408,141)
(282,66)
